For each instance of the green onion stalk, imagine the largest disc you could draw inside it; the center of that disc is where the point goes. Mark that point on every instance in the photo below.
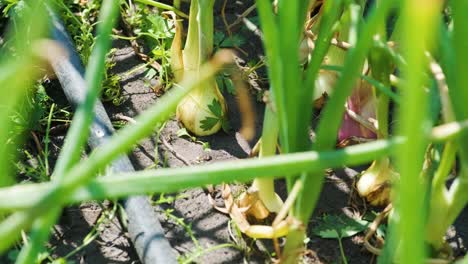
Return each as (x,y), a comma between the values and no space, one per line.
(25,196)
(440,217)
(361,102)
(326,79)
(203,110)
(77,133)
(364,103)
(265,187)
(123,141)
(329,124)
(23,34)
(447,203)
(261,196)
(418,37)
(374,184)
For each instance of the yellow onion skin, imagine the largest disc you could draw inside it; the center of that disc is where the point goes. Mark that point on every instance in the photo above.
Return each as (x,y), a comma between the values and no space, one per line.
(326,79)
(193,108)
(256,208)
(266,192)
(324,84)
(305,49)
(374,183)
(268,232)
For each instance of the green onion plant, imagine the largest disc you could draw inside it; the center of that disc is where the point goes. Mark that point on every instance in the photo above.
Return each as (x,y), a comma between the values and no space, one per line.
(203,111)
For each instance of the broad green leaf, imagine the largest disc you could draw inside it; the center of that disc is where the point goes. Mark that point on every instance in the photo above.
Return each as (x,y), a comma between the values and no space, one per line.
(339,226)
(216,109)
(209,122)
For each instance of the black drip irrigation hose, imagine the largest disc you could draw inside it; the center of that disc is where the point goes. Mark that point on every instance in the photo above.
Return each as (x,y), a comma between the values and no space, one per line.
(144,229)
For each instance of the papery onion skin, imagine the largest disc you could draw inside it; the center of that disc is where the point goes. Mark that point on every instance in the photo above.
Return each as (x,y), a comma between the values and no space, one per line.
(374,184)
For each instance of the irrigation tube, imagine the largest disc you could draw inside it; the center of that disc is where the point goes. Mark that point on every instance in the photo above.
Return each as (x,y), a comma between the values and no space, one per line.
(144,228)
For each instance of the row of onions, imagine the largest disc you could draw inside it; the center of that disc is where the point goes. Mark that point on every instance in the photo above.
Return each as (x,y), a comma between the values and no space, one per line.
(333,58)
